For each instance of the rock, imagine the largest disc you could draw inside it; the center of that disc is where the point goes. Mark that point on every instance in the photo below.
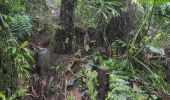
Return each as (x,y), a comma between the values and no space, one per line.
(89,64)
(84,95)
(70,82)
(51,79)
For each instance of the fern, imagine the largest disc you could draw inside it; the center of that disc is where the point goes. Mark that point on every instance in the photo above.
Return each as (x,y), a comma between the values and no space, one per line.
(119,88)
(21,27)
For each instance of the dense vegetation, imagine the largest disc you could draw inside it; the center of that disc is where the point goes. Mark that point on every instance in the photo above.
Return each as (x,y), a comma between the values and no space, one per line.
(84,49)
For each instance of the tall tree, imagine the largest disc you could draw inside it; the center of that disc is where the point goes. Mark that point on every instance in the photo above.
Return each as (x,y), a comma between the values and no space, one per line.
(64,37)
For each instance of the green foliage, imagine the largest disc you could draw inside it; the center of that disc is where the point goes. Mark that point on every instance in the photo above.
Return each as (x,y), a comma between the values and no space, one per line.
(21,55)
(16,62)
(52,87)
(90,79)
(57,2)
(11,6)
(93,12)
(119,85)
(70,98)
(2,96)
(120,74)
(124,73)
(154,19)
(119,88)
(36,8)
(20,92)
(107,9)
(143,73)
(16,59)
(157,2)
(156,75)
(21,26)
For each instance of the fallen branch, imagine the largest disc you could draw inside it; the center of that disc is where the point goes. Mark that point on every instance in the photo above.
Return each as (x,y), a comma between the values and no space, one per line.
(161,58)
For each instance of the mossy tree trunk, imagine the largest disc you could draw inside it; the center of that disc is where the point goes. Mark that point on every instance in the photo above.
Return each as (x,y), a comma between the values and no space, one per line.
(64,36)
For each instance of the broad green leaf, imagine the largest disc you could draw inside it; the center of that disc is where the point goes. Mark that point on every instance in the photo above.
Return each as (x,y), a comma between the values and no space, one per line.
(2,96)
(14,50)
(24,44)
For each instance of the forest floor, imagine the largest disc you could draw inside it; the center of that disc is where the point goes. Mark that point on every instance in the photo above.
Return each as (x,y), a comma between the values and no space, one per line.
(60,81)
(61,78)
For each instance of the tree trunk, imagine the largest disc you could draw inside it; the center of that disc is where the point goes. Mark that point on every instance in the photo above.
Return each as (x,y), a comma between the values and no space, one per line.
(64,36)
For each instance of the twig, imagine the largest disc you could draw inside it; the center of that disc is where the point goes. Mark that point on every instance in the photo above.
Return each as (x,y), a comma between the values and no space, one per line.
(65,94)
(157,58)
